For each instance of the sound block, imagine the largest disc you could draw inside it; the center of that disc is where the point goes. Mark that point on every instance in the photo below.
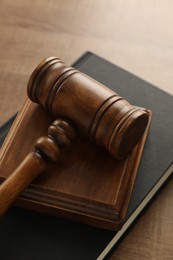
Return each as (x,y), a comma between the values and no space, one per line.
(87,184)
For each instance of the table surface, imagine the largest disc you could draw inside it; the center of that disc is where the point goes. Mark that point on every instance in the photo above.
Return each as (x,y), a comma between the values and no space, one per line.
(135,35)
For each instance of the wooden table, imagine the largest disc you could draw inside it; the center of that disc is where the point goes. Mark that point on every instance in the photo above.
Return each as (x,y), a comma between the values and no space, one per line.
(136,35)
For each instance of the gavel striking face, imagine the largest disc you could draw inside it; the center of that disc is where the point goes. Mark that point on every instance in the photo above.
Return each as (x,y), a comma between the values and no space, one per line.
(95,111)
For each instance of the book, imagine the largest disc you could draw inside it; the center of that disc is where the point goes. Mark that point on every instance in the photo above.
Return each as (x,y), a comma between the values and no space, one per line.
(39,236)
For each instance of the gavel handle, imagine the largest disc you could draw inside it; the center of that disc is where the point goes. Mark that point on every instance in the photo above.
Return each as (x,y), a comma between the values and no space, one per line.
(31,167)
(60,133)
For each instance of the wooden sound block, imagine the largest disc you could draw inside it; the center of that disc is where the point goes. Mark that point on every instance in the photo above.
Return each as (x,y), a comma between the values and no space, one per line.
(87,184)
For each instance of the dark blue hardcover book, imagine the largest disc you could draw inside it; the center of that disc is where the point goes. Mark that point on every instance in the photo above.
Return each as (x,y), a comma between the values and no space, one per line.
(29,235)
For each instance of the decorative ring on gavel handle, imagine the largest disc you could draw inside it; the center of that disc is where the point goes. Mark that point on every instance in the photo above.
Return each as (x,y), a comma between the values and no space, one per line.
(47,148)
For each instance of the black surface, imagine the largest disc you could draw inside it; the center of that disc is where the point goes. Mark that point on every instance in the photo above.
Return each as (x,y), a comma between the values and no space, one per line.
(28,235)
(5,128)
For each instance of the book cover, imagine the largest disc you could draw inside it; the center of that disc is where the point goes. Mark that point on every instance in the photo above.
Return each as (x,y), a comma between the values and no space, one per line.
(38,236)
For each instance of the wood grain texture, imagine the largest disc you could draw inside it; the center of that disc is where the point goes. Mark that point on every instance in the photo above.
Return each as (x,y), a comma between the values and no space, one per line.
(136,35)
(86,184)
(30,168)
(97,112)
(47,148)
(151,236)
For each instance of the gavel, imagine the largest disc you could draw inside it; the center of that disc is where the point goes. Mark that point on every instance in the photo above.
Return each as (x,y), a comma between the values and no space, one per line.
(81,105)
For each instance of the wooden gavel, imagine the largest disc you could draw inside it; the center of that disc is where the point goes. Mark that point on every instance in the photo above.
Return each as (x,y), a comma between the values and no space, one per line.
(82,105)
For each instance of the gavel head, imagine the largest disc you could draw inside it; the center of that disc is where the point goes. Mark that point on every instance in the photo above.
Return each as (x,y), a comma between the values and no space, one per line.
(96,111)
